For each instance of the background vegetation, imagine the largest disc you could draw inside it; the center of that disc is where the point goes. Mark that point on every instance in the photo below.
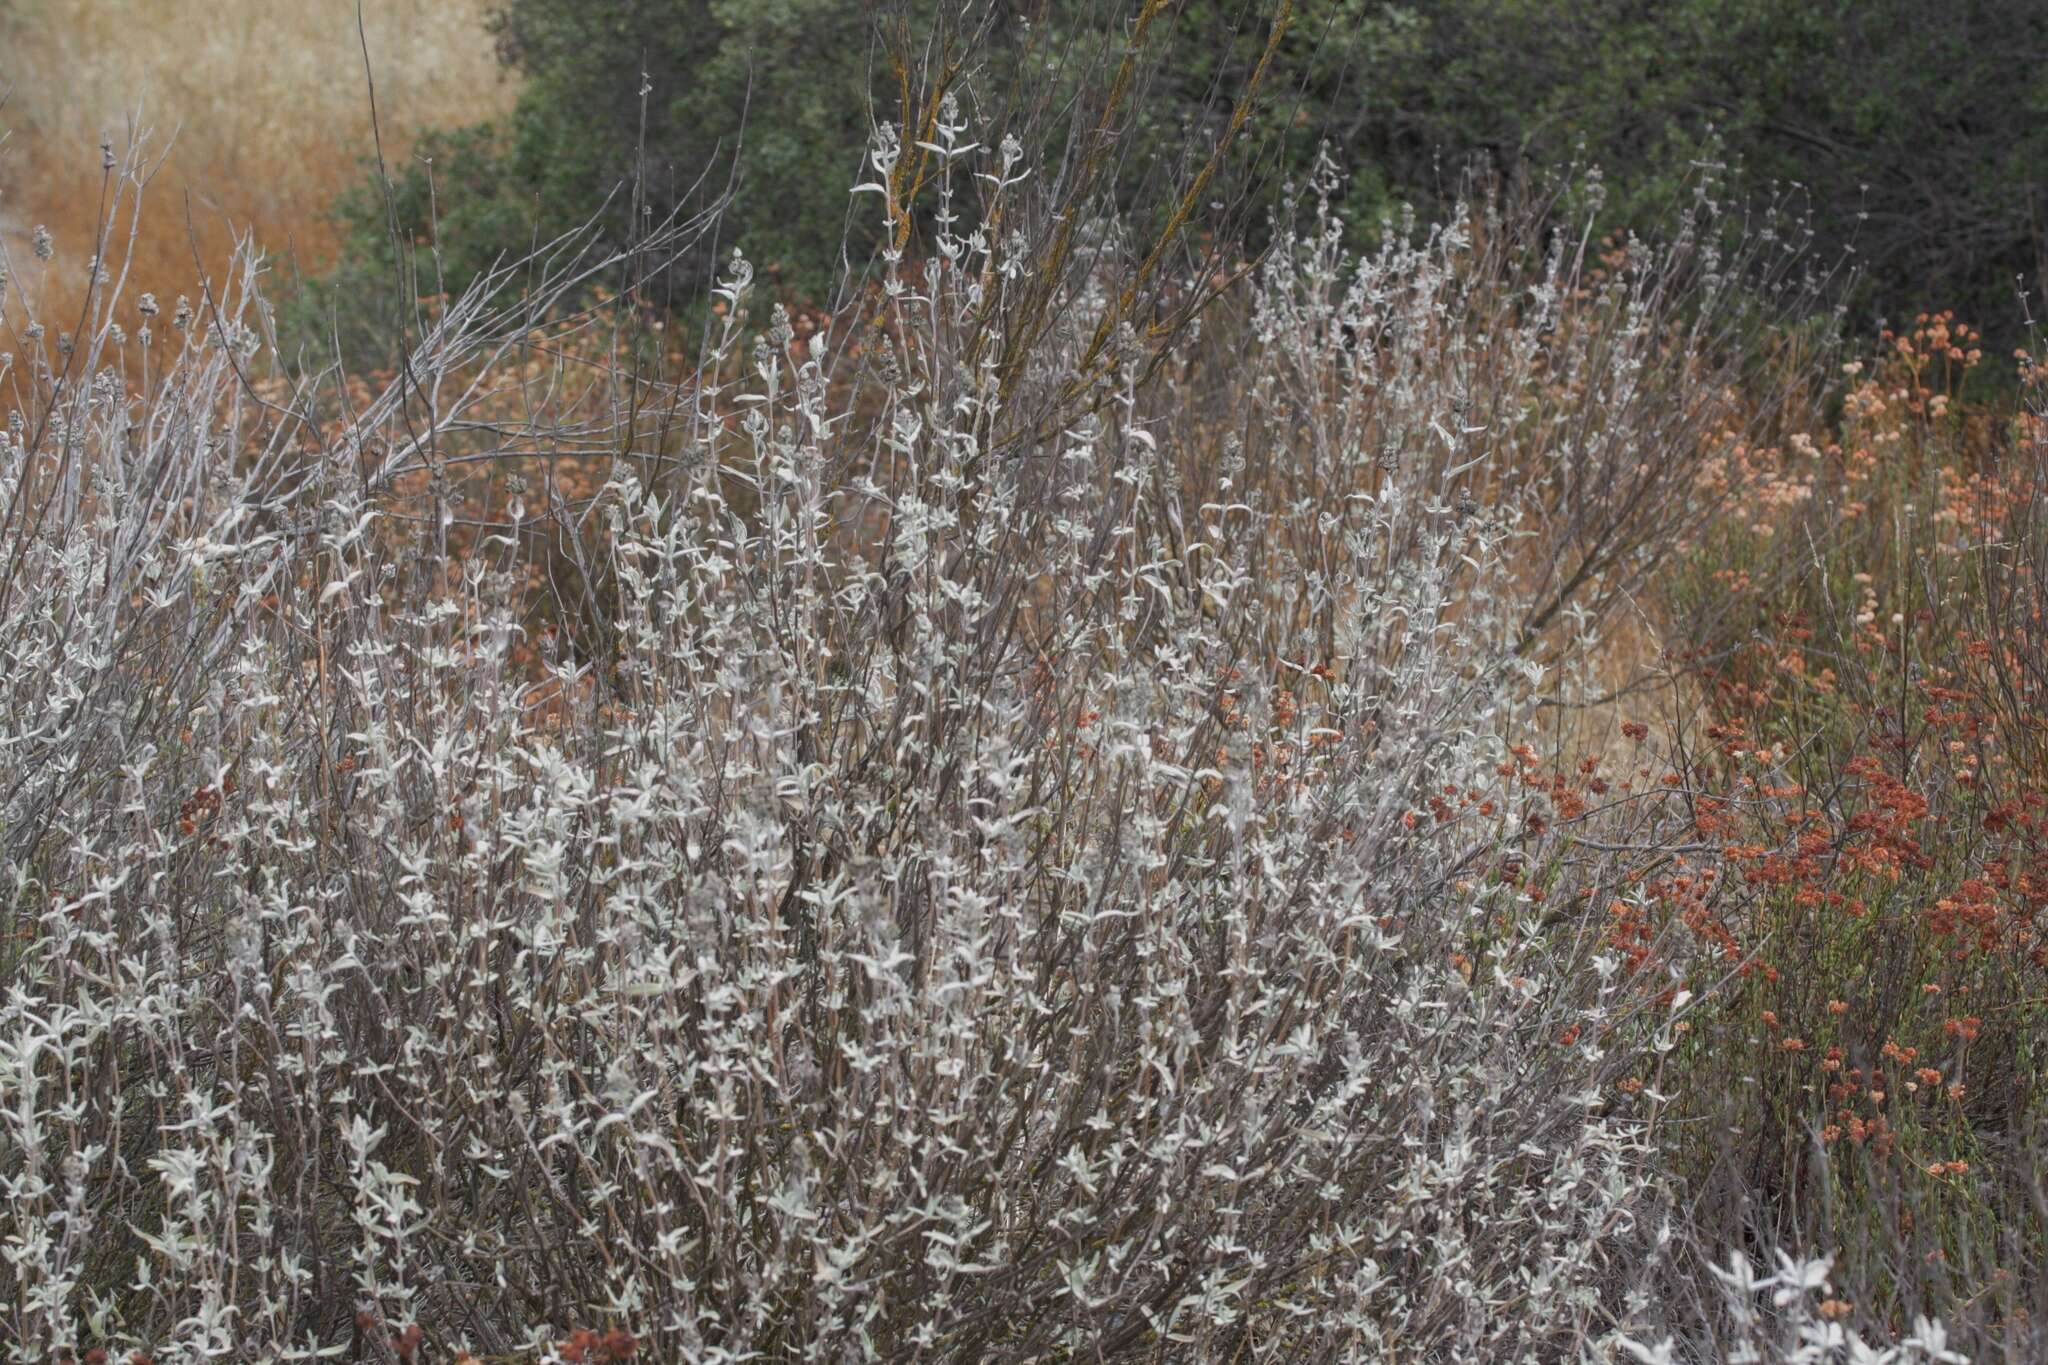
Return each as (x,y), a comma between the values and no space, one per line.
(1914,145)
(259,111)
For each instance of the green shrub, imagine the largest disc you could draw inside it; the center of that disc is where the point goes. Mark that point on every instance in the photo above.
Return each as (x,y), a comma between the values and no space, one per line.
(1913,143)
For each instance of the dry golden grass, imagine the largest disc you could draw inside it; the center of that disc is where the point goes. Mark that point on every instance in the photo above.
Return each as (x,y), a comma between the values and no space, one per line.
(261,104)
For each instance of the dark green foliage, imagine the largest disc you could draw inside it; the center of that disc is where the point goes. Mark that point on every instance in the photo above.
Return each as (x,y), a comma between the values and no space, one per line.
(1913,137)
(789,79)
(1914,134)
(631,110)
(456,178)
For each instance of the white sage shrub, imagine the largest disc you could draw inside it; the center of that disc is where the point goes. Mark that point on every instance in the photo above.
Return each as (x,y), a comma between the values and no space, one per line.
(1032,854)
(1793,1316)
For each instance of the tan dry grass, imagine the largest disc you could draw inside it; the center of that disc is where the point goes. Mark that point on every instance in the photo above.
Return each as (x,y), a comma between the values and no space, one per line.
(262,102)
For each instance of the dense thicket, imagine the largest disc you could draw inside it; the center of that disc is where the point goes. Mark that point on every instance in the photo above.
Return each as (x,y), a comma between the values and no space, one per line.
(1066,842)
(1913,138)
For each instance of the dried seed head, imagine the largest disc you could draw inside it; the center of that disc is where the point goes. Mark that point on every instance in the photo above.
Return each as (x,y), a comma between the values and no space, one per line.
(741,274)
(1130,352)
